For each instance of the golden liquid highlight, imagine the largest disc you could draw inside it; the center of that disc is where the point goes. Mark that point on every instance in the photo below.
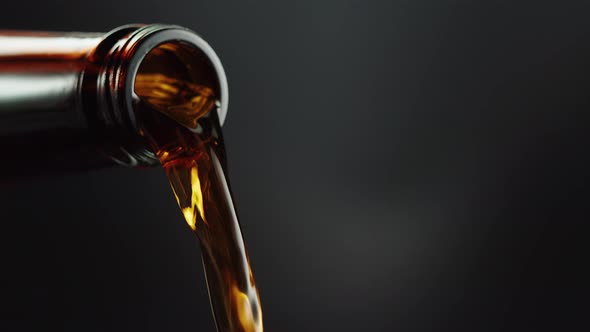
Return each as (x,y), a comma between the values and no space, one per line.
(190,148)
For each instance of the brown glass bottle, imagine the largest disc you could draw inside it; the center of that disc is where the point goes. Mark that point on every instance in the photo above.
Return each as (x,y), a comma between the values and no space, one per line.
(68,98)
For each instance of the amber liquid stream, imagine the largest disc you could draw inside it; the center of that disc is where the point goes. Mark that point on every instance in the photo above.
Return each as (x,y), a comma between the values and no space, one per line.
(181,124)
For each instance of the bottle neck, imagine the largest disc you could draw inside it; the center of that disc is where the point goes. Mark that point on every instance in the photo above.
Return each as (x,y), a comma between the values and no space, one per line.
(106,102)
(79,86)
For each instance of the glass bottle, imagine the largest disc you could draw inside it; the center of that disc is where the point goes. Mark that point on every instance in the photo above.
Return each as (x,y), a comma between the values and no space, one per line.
(67,98)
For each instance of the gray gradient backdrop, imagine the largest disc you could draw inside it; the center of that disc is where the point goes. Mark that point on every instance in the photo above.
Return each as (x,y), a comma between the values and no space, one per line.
(397,165)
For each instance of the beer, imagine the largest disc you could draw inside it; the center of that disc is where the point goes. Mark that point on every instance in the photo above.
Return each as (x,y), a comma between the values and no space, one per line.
(181,125)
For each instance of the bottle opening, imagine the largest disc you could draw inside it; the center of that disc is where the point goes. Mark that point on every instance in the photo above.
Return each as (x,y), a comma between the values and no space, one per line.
(152,69)
(178,80)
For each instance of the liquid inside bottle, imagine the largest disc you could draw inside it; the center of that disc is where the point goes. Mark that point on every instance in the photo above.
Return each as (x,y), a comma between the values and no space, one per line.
(180,122)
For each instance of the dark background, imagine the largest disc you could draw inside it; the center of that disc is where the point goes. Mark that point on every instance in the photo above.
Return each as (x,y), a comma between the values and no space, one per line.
(397,165)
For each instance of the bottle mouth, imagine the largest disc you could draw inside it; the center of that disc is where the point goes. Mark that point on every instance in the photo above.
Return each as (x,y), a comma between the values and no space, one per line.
(169,67)
(177,73)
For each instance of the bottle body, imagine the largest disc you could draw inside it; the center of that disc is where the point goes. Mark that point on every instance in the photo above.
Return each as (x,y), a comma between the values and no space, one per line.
(66,99)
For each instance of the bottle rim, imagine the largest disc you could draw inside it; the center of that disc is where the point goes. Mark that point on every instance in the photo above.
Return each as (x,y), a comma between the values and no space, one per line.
(140,43)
